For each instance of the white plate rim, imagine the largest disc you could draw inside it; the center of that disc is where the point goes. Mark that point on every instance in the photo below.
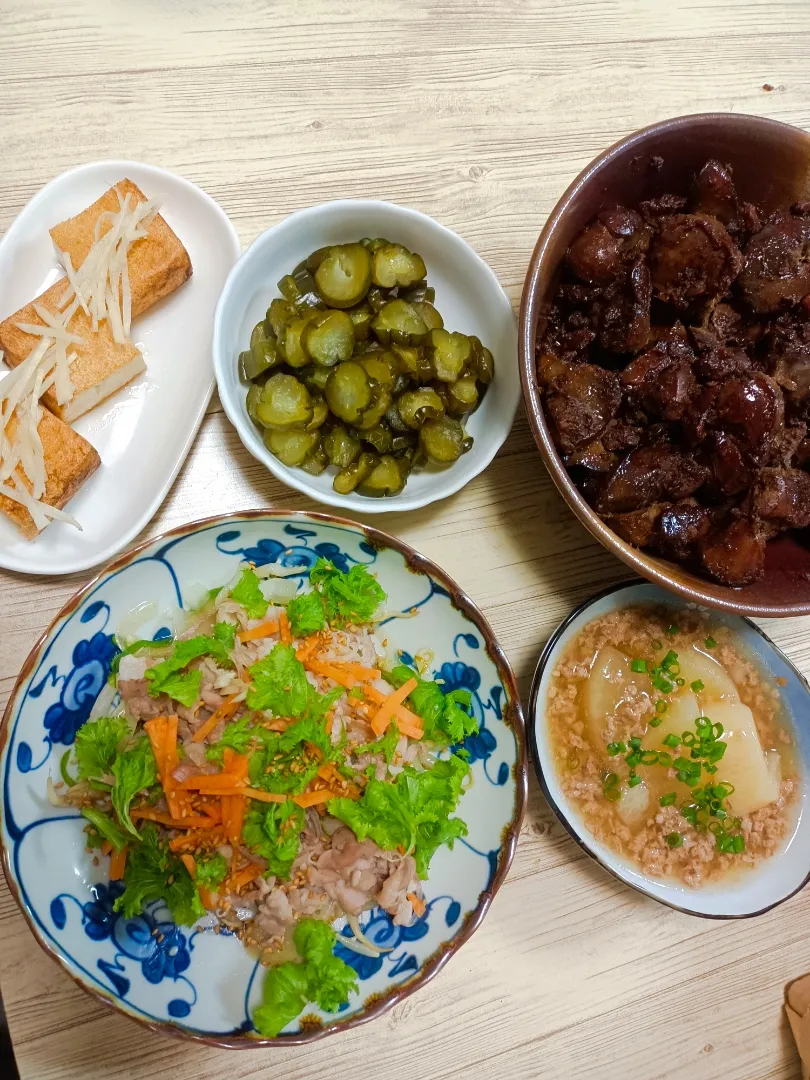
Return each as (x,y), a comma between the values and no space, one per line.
(289,476)
(49,568)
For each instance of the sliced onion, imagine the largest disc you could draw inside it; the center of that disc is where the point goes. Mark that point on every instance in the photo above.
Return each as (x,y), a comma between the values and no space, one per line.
(130,624)
(354,923)
(270,570)
(279,590)
(54,798)
(356,946)
(103,703)
(382,616)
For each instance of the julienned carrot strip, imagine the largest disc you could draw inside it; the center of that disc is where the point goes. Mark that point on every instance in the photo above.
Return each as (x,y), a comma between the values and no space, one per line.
(210,783)
(207,898)
(190,864)
(243,877)
(418,904)
(327,772)
(414,733)
(329,671)
(251,793)
(388,709)
(360,671)
(233,817)
(235,764)
(197,838)
(264,630)
(284,628)
(308,647)
(314,798)
(226,709)
(213,811)
(190,821)
(118,861)
(162,732)
(375,695)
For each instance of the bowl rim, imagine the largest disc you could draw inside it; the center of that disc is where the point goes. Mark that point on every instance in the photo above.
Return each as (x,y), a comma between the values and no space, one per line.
(291,475)
(513,717)
(582,837)
(654,569)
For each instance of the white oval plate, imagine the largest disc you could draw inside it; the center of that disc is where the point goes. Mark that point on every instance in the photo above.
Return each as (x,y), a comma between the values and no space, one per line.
(144,432)
(468,295)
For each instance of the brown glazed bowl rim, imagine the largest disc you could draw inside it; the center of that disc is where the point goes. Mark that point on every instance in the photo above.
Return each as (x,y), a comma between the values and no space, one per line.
(675,579)
(512,716)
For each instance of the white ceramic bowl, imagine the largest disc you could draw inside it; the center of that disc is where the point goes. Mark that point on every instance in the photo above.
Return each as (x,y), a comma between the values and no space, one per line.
(751,893)
(467,294)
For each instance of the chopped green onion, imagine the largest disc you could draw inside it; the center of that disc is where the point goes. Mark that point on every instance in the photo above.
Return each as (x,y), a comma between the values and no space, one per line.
(668,800)
(635,743)
(664,758)
(710,643)
(680,682)
(63,769)
(649,757)
(610,787)
(672,630)
(633,759)
(674,839)
(657,645)
(671,740)
(638,665)
(614,748)
(634,781)
(656,721)
(661,706)
(662,684)
(697,686)
(670,659)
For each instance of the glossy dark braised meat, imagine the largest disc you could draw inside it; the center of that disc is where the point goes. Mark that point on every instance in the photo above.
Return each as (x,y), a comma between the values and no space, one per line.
(675,371)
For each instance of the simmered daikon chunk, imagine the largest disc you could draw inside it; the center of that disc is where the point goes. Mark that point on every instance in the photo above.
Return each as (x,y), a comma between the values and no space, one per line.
(756,782)
(606,687)
(698,665)
(634,804)
(682,711)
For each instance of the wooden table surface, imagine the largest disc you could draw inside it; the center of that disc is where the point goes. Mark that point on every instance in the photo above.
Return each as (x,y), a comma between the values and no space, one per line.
(478,113)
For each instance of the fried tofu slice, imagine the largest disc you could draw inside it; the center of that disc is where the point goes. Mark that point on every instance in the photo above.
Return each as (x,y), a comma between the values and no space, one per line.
(69,461)
(157,265)
(101,366)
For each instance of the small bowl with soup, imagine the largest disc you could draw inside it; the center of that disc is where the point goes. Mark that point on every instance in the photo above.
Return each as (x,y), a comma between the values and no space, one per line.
(669,741)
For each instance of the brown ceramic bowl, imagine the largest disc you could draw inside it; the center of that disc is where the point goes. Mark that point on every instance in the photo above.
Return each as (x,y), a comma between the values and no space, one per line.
(771,163)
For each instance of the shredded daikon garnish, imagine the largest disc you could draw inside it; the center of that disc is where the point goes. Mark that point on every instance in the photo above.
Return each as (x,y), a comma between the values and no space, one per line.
(21,453)
(101,284)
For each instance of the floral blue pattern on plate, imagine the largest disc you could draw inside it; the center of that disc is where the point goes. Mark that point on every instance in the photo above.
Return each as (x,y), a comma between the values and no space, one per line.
(205,984)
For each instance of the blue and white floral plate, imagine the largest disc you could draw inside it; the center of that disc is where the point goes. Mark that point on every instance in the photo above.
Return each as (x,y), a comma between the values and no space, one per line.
(193,982)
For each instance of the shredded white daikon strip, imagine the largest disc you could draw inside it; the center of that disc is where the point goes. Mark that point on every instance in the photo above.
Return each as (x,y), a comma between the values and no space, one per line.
(101,284)
(21,453)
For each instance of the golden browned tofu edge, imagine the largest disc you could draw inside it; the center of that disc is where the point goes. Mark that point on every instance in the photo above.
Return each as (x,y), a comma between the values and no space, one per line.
(99,359)
(158,264)
(69,460)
